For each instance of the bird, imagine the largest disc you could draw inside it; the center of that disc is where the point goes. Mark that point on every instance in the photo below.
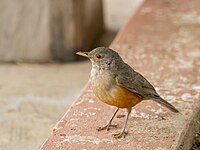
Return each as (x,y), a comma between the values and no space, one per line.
(116,83)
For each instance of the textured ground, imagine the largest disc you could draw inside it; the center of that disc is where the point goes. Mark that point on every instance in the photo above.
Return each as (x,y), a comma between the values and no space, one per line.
(162,42)
(33,98)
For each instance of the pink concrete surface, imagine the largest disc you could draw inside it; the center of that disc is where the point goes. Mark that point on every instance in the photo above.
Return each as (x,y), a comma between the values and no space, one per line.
(161,41)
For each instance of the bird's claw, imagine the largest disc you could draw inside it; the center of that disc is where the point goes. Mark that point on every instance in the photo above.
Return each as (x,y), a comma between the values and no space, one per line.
(120,134)
(107,127)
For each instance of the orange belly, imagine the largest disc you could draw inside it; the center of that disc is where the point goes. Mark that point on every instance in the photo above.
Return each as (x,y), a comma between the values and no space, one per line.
(117,96)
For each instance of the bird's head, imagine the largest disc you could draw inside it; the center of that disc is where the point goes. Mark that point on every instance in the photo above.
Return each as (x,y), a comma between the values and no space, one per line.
(101,57)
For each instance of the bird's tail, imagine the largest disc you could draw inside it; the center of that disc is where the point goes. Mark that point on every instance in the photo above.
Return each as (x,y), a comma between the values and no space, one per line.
(166,104)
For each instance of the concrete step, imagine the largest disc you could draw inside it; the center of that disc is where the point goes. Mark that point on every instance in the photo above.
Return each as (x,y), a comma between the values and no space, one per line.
(161,41)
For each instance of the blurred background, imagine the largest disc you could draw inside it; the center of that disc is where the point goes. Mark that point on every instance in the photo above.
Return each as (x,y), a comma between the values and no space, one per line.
(40,75)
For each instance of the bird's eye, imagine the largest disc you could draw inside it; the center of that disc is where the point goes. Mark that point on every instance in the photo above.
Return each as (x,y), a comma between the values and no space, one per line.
(98,56)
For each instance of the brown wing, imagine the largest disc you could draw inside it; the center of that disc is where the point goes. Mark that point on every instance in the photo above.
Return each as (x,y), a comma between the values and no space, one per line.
(136,83)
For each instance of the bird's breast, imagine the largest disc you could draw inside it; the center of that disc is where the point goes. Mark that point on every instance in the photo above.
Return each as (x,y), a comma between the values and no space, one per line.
(102,82)
(106,89)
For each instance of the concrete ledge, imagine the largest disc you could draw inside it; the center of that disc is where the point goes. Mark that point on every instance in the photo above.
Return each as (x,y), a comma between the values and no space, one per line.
(161,41)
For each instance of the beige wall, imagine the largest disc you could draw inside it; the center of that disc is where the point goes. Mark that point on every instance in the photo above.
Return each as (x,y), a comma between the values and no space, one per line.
(42,30)
(24,30)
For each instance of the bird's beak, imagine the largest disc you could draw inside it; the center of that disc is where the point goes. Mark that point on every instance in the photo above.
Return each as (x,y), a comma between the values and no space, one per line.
(84,54)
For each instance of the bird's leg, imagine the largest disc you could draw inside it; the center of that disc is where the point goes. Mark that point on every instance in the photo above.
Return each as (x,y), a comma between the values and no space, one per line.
(123,133)
(107,127)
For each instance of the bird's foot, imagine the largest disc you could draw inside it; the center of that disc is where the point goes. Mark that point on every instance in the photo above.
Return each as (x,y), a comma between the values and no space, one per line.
(107,127)
(121,134)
